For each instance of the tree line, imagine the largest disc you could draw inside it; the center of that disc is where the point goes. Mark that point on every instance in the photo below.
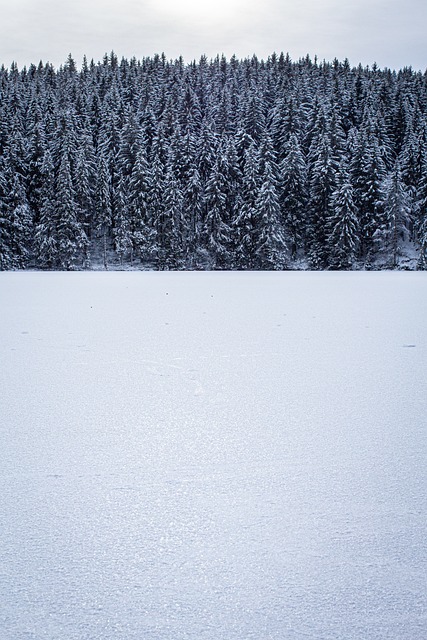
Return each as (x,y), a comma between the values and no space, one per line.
(215,164)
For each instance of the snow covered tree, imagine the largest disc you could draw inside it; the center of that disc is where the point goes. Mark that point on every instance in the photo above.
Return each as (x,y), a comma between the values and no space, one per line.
(254,120)
(294,195)
(122,233)
(271,247)
(171,233)
(109,144)
(72,239)
(422,239)
(421,215)
(128,144)
(216,231)
(322,186)
(46,231)
(21,223)
(246,218)
(287,121)
(141,222)
(6,255)
(103,210)
(343,223)
(84,181)
(207,150)
(36,150)
(394,228)
(367,174)
(193,209)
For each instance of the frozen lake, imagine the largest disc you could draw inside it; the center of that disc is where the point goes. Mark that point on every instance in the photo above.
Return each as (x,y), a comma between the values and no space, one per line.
(213,456)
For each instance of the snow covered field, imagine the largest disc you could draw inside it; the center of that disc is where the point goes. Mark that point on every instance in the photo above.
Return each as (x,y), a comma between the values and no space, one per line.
(213,456)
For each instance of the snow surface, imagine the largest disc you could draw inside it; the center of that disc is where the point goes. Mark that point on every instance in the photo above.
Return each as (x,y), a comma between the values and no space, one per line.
(213,456)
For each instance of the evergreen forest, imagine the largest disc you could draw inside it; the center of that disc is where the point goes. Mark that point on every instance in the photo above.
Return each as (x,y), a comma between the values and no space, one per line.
(216,164)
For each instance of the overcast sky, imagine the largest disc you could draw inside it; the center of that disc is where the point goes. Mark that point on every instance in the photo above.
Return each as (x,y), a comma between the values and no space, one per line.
(391,33)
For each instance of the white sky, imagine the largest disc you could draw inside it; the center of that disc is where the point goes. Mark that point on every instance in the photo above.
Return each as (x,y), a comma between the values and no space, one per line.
(388,32)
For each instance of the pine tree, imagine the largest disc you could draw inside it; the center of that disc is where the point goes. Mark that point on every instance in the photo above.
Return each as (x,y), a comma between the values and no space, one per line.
(246,221)
(271,248)
(207,150)
(84,181)
(216,231)
(36,149)
(102,204)
(123,241)
(6,255)
(155,204)
(128,144)
(109,144)
(367,175)
(193,208)
(21,224)
(322,186)
(141,222)
(422,239)
(421,215)
(254,120)
(171,239)
(343,223)
(46,231)
(287,121)
(72,240)
(394,228)
(294,196)
(175,240)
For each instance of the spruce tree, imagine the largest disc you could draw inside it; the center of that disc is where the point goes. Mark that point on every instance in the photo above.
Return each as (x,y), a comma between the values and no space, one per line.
(271,247)
(322,185)
(216,231)
(140,218)
(102,204)
(394,228)
(46,231)
(246,221)
(20,223)
(343,223)
(72,240)
(6,255)
(122,236)
(294,193)
(368,171)
(193,209)
(421,215)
